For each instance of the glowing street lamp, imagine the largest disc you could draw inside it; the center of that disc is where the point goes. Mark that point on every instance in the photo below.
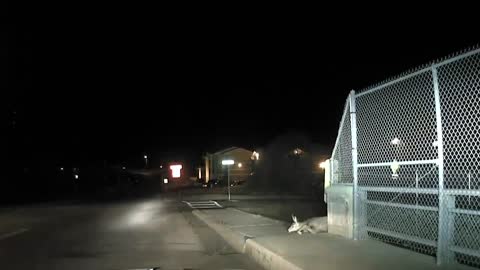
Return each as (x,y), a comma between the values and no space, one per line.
(228,163)
(322,165)
(395,166)
(395,141)
(146,160)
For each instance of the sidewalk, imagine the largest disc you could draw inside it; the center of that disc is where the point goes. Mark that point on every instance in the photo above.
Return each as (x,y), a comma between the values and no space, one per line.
(267,242)
(224,196)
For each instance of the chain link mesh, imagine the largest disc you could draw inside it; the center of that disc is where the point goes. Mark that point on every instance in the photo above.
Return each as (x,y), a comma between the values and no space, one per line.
(398,169)
(459,88)
(404,110)
(342,156)
(397,122)
(459,84)
(409,176)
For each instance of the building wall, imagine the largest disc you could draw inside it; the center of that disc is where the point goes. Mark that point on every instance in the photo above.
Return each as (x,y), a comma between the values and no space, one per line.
(239,155)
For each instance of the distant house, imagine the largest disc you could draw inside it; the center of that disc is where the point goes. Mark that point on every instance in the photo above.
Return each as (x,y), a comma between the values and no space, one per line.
(238,171)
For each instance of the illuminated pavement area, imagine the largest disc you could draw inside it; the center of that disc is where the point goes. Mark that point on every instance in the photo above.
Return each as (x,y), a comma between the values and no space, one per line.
(145,233)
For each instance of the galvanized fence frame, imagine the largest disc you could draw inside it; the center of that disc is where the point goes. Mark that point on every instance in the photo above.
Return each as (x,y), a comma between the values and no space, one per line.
(410,148)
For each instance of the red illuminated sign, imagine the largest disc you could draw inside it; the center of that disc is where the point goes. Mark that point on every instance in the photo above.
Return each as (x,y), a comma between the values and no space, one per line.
(176,170)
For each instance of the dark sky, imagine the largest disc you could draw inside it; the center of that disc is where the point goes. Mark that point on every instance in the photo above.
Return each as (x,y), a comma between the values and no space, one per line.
(114,91)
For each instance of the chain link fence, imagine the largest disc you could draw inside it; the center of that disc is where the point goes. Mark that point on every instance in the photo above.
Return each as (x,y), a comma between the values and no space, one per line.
(416,167)
(342,171)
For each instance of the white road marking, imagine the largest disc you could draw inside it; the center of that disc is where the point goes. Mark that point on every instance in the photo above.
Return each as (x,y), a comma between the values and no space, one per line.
(7,235)
(203,204)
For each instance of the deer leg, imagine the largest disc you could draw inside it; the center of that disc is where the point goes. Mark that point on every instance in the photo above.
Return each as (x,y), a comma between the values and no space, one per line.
(311,230)
(302,229)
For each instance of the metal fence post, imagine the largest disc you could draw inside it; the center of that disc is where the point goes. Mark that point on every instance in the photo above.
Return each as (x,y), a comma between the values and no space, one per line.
(443,229)
(353,127)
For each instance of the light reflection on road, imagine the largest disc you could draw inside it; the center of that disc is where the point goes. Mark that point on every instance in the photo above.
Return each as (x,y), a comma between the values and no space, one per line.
(140,215)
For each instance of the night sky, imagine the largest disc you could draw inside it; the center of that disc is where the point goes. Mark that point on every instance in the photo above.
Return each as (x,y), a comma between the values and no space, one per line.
(114,92)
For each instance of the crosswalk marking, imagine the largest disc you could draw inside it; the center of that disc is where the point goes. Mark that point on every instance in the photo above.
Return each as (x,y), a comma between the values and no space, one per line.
(203,204)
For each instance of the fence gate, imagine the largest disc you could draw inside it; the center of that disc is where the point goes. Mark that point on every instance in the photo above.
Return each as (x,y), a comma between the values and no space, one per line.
(411,149)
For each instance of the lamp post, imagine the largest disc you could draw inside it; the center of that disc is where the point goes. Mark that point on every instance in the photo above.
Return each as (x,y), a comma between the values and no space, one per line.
(228,163)
(146,160)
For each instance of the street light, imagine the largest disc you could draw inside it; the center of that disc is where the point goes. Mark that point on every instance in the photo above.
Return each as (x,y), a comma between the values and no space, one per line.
(228,163)
(395,141)
(297,152)
(395,165)
(146,160)
(322,165)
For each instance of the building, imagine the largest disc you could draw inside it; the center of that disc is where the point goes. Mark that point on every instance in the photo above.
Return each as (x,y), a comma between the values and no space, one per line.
(239,171)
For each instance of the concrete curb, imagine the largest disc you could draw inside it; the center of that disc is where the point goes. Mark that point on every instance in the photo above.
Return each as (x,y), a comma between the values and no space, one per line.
(266,258)
(247,245)
(235,239)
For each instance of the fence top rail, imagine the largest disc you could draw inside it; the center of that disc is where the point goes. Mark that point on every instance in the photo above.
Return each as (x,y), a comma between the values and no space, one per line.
(457,56)
(420,69)
(391,82)
(346,108)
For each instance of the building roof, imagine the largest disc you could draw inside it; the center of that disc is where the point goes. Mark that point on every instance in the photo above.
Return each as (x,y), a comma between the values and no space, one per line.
(229,149)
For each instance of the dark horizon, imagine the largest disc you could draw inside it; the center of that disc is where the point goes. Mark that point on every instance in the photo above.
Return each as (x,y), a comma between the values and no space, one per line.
(110,107)
(114,101)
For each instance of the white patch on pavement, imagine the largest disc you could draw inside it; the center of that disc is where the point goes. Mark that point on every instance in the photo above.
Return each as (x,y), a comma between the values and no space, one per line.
(7,235)
(203,204)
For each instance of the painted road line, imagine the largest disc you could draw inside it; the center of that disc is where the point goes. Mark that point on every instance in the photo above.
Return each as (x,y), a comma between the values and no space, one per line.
(11,234)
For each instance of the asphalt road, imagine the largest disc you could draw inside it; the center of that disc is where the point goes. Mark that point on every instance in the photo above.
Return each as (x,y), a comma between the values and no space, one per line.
(154,232)
(279,207)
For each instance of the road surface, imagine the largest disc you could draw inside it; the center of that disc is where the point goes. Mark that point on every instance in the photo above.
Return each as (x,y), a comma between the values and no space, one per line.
(154,232)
